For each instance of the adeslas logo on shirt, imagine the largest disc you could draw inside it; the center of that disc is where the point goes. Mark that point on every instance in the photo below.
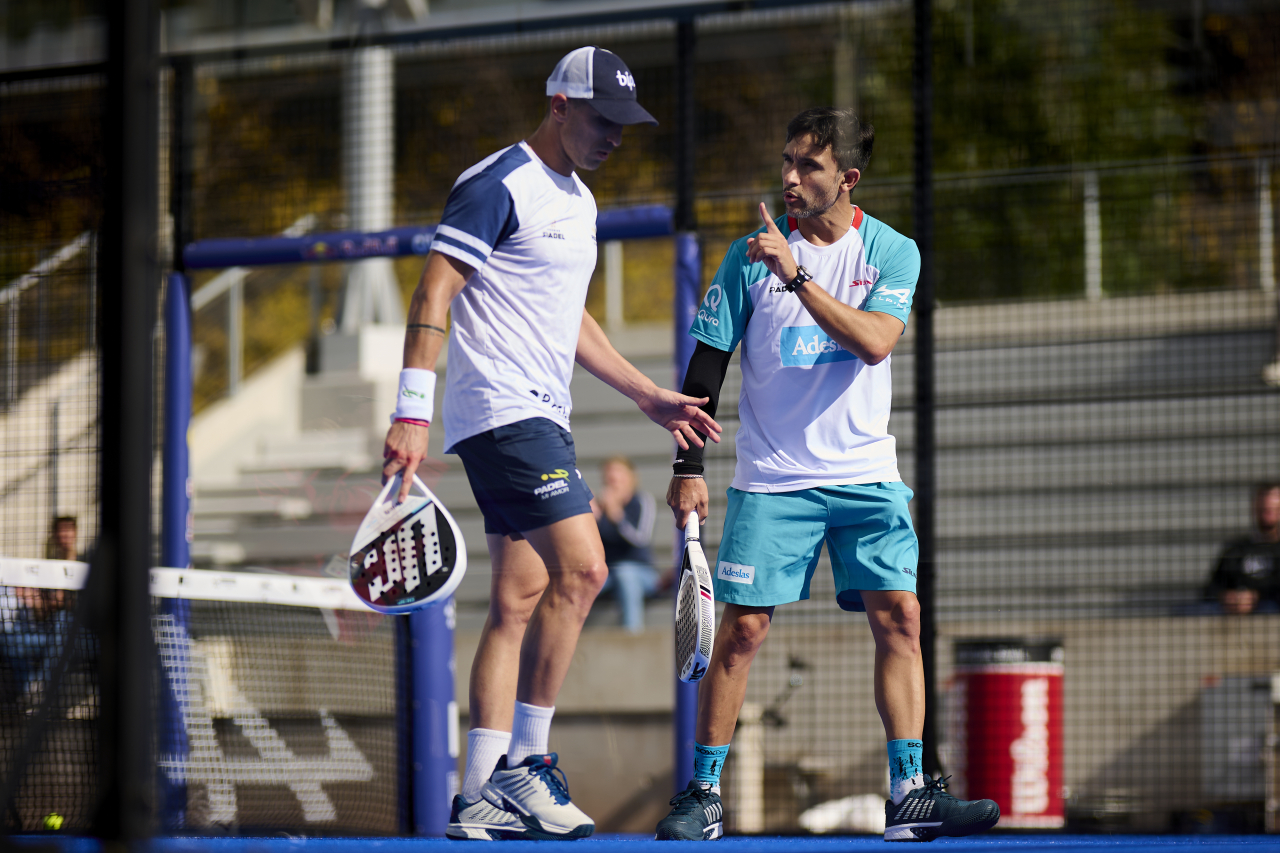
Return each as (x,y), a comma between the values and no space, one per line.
(804,346)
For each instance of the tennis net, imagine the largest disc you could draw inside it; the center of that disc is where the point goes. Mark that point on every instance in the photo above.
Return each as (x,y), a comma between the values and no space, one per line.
(275,703)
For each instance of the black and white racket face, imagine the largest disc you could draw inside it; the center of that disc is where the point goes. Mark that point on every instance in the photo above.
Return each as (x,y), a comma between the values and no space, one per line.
(408,564)
(406,555)
(695,615)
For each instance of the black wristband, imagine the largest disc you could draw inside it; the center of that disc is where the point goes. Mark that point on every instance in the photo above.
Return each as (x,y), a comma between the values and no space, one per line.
(688,466)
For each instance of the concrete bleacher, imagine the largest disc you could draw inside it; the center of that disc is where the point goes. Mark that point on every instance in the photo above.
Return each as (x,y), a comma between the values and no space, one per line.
(1104,450)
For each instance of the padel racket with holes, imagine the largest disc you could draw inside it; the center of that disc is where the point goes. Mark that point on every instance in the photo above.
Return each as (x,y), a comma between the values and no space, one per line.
(406,555)
(695,607)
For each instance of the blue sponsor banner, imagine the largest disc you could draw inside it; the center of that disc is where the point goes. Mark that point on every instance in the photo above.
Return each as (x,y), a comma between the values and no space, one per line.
(805,346)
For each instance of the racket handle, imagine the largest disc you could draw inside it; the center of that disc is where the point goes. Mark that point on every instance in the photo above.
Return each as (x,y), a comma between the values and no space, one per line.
(691,526)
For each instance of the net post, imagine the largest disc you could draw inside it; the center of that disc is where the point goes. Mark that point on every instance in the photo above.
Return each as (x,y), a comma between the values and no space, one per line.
(175,543)
(434,726)
(404,725)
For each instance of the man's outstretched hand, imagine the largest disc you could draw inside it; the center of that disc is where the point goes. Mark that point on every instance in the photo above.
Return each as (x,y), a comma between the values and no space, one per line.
(680,416)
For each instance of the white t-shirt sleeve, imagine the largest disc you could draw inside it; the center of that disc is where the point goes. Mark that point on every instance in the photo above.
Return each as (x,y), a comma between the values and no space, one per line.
(479,214)
(895,288)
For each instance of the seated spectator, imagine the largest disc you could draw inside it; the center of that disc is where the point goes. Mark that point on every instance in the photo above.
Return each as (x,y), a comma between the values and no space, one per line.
(36,621)
(1247,575)
(62,539)
(625,516)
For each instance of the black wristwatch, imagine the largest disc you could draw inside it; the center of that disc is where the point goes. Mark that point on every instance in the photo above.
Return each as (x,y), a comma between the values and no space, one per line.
(802,275)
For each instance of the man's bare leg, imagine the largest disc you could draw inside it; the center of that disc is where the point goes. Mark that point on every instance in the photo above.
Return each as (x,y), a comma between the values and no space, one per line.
(573,556)
(741,633)
(918,809)
(899,670)
(518,581)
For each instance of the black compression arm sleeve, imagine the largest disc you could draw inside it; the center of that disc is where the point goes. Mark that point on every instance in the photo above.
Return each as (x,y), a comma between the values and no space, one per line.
(703,378)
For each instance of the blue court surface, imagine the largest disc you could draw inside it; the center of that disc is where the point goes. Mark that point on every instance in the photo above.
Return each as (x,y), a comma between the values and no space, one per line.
(645,844)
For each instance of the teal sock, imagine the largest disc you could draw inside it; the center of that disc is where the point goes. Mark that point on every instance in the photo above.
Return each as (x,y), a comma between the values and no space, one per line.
(906,768)
(708,761)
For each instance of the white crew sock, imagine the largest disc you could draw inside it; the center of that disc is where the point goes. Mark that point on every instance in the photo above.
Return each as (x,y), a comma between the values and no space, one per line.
(484,748)
(529,732)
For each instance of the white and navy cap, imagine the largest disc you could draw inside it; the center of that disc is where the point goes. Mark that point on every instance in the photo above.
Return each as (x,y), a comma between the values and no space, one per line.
(599,76)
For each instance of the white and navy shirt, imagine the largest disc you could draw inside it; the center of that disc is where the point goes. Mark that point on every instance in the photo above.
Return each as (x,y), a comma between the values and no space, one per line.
(813,414)
(530,234)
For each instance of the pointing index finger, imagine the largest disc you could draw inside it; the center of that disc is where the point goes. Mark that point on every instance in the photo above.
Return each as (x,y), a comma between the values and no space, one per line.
(768,221)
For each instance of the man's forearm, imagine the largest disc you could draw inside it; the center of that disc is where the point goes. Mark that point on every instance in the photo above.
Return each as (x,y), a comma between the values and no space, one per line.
(599,358)
(426,329)
(870,335)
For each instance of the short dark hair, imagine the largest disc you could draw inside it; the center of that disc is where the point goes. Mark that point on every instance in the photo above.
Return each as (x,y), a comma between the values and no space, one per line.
(849,139)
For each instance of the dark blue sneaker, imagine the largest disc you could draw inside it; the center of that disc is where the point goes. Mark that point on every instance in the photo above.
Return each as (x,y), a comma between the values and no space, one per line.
(929,812)
(697,815)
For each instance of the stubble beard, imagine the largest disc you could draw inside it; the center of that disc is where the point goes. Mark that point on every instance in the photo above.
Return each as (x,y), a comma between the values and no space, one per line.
(819,207)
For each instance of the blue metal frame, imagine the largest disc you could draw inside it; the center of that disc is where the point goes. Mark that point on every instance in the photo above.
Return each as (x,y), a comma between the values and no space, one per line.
(688,292)
(175,535)
(627,224)
(434,739)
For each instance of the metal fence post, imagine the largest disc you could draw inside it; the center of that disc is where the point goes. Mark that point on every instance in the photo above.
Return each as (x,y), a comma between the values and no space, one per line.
(688,275)
(1092,238)
(926,459)
(120,573)
(235,336)
(1266,230)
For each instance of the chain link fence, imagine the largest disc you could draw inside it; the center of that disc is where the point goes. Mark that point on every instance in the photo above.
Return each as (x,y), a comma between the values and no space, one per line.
(1106,351)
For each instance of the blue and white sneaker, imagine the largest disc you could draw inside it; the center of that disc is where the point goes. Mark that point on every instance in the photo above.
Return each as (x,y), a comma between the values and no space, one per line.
(538,793)
(483,821)
(697,815)
(929,812)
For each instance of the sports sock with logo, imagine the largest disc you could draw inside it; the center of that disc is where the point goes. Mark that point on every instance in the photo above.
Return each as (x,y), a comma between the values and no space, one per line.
(484,748)
(708,761)
(906,768)
(530,730)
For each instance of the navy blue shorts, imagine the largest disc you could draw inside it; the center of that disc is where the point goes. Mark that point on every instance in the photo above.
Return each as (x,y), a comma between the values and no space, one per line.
(524,476)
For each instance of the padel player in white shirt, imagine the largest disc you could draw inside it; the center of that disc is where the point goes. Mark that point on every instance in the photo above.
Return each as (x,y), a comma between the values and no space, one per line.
(817,300)
(512,259)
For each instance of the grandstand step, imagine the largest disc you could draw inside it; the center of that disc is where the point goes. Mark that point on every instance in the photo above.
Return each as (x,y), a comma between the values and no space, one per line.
(1196,416)
(1116,369)
(347,449)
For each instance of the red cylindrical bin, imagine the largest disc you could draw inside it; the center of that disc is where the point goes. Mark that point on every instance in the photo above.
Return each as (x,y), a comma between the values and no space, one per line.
(1007,728)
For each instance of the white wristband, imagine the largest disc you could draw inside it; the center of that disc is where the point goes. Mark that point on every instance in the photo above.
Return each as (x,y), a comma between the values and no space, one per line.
(416,396)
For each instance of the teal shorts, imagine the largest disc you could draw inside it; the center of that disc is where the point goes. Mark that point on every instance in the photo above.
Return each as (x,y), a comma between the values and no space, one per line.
(771,544)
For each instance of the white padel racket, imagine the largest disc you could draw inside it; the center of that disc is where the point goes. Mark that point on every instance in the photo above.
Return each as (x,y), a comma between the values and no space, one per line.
(695,607)
(407,555)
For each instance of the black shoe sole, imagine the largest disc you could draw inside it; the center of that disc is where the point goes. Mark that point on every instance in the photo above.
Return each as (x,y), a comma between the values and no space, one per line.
(537,833)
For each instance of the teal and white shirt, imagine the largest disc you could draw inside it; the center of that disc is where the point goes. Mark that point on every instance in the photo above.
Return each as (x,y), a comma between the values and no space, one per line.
(813,414)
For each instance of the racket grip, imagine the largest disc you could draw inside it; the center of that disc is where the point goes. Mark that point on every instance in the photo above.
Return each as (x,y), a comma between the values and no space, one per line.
(691,526)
